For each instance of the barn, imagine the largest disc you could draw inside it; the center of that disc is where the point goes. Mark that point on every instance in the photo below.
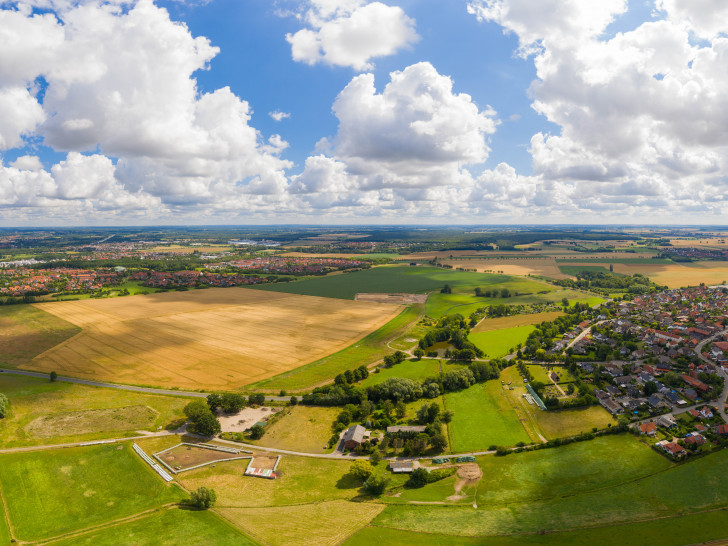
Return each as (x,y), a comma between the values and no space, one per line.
(354,436)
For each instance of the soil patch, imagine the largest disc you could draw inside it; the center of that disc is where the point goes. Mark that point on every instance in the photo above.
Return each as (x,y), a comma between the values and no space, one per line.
(87,421)
(184,456)
(246,418)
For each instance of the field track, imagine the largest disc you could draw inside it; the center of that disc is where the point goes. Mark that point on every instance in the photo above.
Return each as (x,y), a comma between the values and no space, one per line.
(206,339)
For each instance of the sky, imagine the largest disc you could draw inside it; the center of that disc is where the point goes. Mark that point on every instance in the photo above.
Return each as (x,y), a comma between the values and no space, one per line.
(144,112)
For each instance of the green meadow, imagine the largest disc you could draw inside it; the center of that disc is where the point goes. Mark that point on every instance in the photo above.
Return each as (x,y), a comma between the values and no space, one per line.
(409,369)
(50,493)
(483,417)
(166,528)
(498,343)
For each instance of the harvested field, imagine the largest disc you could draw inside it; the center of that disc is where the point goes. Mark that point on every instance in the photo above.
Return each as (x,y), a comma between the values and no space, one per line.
(677,275)
(490,324)
(85,422)
(392,298)
(214,339)
(244,419)
(531,265)
(183,456)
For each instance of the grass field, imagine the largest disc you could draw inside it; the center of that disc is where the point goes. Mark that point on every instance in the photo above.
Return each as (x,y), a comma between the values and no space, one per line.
(540,373)
(498,343)
(683,489)
(50,493)
(419,370)
(26,331)
(670,531)
(483,417)
(43,412)
(500,323)
(305,428)
(166,528)
(574,270)
(213,339)
(325,523)
(365,351)
(302,481)
(564,423)
(4,531)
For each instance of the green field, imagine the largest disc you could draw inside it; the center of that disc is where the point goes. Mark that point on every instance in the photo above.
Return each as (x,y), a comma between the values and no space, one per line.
(406,279)
(4,531)
(45,413)
(697,486)
(166,528)
(418,370)
(483,417)
(27,332)
(576,269)
(640,261)
(50,493)
(498,343)
(671,531)
(540,373)
(303,428)
(370,349)
(564,423)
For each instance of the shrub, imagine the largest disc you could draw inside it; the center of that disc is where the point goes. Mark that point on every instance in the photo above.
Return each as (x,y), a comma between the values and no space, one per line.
(376,484)
(361,470)
(203,498)
(418,478)
(256,432)
(3,405)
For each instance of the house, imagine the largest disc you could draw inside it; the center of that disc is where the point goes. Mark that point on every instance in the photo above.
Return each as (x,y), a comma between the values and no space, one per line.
(648,428)
(611,406)
(722,430)
(354,436)
(695,438)
(705,413)
(402,467)
(696,383)
(667,421)
(672,448)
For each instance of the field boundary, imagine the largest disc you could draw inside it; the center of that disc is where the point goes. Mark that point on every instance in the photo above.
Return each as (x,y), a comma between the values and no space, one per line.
(6,514)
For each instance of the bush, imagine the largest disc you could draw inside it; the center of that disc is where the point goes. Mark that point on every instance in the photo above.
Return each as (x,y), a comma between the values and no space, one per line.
(294,400)
(256,432)
(418,478)
(361,470)
(376,484)
(3,405)
(203,498)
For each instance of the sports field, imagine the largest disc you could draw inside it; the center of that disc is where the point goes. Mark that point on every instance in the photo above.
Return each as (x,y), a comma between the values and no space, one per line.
(483,417)
(50,493)
(45,413)
(498,343)
(205,339)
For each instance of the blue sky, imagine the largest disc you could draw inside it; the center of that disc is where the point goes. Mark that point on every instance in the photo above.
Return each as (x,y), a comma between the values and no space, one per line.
(469,111)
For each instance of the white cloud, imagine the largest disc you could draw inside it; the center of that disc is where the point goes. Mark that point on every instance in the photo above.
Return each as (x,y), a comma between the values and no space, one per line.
(277,115)
(27,163)
(351,33)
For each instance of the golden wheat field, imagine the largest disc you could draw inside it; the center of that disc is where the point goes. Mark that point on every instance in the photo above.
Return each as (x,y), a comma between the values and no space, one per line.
(678,275)
(219,338)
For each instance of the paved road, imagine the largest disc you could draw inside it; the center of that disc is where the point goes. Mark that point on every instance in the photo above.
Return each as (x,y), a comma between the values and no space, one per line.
(721,400)
(133,388)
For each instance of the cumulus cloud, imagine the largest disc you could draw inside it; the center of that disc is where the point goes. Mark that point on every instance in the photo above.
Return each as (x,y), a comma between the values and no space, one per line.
(350,33)
(641,114)
(121,82)
(277,115)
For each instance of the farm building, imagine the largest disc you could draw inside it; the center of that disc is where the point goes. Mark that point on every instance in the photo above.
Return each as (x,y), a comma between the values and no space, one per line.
(354,436)
(402,467)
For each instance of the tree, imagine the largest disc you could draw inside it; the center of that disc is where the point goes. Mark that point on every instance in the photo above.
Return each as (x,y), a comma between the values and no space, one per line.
(419,353)
(203,498)
(53,376)
(650,388)
(375,457)
(446,289)
(376,484)
(3,405)
(438,442)
(214,400)
(207,424)
(400,410)
(256,432)
(195,409)
(232,402)
(361,470)
(446,416)
(294,400)
(257,399)
(418,478)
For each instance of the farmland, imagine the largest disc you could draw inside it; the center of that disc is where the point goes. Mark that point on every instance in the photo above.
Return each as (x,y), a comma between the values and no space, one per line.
(26,331)
(365,351)
(166,528)
(483,417)
(564,423)
(45,412)
(500,323)
(37,487)
(209,339)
